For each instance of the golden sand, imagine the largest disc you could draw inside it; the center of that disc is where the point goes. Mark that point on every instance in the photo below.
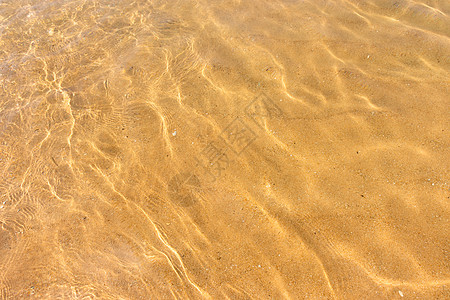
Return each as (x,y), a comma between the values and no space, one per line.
(270,149)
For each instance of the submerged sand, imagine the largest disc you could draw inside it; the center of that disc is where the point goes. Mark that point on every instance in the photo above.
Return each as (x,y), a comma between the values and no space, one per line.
(224,149)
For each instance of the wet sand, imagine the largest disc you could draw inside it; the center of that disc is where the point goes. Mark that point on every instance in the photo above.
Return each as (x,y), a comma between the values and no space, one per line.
(224,149)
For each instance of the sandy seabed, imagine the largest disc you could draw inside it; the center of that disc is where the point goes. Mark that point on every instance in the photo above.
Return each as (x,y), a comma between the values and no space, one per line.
(271,149)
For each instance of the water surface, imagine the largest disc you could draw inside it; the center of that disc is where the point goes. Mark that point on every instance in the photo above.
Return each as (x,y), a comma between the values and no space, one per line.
(224,149)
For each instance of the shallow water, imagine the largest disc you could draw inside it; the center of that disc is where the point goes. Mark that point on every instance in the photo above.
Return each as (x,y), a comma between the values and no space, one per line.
(224,149)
